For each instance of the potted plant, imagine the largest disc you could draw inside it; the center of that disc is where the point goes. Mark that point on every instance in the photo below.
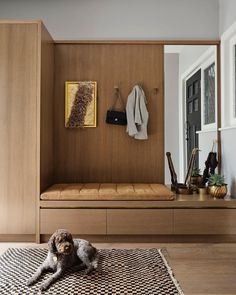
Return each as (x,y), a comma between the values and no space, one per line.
(196,177)
(217,186)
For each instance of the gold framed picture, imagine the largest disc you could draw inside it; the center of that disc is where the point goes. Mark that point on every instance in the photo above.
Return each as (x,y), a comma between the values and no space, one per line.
(80,104)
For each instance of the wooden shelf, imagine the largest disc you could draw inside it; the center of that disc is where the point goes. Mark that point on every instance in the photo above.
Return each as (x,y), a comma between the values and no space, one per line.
(181,201)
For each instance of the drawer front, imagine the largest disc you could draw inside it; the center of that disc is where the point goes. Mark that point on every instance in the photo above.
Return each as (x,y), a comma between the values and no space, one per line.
(205,221)
(139,221)
(77,221)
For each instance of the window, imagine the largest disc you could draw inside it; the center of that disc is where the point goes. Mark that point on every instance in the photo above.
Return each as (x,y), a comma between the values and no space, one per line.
(209,94)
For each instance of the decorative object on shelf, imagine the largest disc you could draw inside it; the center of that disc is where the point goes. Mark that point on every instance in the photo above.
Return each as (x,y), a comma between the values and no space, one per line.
(202,190)
(179,188)
(115,116)
(80,104)
(191,165)
(210,165)
(186,187)
(196,176)
(217,187)
(174,182)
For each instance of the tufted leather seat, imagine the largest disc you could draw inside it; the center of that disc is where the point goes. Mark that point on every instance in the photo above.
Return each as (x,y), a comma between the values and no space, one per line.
(108,191)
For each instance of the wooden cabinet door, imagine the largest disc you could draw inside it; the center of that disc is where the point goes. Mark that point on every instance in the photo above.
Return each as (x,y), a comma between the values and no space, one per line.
(18,127)
(139,221)
(205,221)
(77,221)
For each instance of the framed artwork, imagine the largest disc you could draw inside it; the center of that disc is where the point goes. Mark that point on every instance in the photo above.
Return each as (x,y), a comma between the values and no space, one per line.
(80,104)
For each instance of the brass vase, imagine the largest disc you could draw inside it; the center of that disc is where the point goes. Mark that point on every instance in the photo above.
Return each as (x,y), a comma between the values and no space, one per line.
(203,190)
(218,191)
(196,180)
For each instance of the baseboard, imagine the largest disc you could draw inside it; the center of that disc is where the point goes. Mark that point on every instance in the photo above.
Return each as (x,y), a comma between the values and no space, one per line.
(153,238)
(17,238)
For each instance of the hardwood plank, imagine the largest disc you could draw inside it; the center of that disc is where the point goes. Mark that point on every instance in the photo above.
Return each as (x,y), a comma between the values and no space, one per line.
(160,238)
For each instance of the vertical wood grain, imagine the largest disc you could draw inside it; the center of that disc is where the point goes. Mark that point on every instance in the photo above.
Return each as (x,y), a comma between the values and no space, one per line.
(18,128)
(46,109)
(107,153)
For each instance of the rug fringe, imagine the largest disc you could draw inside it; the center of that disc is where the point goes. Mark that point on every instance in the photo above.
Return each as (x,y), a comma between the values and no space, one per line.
(170,271)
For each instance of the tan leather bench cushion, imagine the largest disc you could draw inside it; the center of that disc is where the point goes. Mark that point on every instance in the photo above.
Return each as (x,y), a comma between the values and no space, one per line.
(108,191)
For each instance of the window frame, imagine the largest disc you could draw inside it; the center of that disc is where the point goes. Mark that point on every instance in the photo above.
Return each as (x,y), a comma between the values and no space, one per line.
(211,126)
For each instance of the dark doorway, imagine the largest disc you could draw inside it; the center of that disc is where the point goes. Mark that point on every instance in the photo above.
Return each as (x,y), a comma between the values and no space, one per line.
(193,113)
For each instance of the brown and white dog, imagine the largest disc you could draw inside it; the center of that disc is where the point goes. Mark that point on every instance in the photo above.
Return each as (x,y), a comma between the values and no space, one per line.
(65,253)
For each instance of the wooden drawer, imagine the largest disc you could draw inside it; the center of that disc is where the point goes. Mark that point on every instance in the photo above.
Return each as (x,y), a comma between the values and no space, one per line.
(77,221)
(139,221)
(205,221)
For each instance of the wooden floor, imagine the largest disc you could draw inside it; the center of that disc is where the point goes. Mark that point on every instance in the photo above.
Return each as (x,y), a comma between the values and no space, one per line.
(200,268)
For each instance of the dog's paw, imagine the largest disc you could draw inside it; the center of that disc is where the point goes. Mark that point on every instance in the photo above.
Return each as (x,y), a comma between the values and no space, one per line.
(30,282)
(88,271)
(43,287)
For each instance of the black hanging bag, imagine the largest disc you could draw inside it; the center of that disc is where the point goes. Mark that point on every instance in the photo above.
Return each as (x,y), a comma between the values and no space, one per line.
(114,116)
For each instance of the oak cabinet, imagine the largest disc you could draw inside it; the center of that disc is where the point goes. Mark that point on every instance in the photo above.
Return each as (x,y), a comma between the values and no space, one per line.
(25,54)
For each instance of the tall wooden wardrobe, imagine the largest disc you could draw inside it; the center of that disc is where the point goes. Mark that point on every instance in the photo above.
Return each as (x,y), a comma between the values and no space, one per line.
(26,84)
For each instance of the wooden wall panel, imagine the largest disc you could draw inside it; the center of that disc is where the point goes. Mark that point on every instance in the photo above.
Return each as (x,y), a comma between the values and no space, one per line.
(18,127)
(46,109)
(107,153)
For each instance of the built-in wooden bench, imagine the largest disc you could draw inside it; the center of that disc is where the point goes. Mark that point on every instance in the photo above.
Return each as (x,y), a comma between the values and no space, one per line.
(135,212)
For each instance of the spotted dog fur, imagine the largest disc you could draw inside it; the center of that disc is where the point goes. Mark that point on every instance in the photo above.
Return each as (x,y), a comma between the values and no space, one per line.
(65,253)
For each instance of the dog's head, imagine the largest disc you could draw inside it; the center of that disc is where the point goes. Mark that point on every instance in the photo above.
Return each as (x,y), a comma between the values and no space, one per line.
(61,242)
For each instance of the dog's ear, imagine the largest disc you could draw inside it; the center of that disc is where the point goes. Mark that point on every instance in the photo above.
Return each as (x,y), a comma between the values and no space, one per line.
(51,244)
(69,235)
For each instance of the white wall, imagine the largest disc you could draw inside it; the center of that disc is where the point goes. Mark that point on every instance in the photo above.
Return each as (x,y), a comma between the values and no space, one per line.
(120,19)
(189,55)
(227,16)
(205,145)
(171,66)
(228,138)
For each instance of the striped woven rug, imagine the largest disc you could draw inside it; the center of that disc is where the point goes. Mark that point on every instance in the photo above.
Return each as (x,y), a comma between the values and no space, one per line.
(120,271)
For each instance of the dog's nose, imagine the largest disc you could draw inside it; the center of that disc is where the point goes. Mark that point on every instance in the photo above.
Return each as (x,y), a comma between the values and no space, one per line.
(66,248)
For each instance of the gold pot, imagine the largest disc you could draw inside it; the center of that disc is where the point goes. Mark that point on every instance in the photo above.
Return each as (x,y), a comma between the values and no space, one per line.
(203,190)
(217,191)
(196,180)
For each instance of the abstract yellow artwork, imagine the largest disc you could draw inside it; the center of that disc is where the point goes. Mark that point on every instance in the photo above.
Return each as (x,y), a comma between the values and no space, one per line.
(80,104)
